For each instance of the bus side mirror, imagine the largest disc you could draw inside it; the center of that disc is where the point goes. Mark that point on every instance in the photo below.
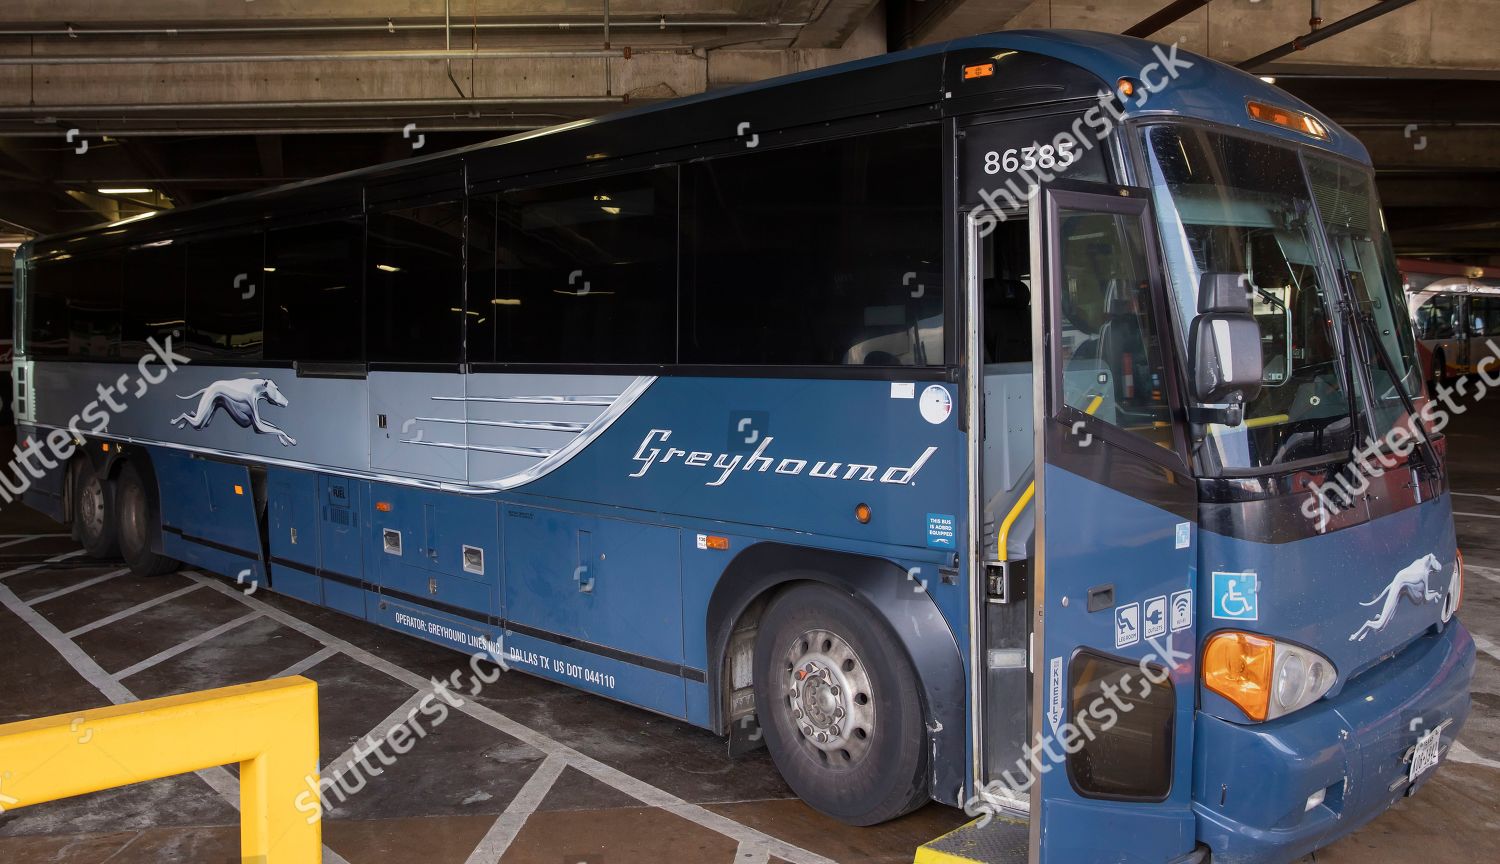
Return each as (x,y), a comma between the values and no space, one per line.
(1225,351)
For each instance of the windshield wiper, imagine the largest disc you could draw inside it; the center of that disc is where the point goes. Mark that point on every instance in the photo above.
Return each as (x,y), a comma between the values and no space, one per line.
(1373,340)
(1373,344)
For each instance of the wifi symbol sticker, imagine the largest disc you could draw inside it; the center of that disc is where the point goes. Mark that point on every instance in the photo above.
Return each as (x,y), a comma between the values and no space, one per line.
(1182,610)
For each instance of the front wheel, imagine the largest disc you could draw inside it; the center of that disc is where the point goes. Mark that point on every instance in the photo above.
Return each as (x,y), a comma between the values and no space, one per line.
(839,704)
(138,525)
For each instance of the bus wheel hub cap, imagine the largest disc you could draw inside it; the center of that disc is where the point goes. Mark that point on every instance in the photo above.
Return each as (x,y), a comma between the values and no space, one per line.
(829,695)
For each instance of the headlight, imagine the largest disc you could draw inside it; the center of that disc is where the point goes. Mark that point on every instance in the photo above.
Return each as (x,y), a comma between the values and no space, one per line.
(1263,677)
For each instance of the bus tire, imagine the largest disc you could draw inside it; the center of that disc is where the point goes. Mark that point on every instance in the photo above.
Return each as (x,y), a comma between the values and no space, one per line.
(838,703)
(93,511)
(138,525)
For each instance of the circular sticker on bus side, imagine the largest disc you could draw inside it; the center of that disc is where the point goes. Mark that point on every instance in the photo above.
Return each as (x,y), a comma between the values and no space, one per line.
(935,404)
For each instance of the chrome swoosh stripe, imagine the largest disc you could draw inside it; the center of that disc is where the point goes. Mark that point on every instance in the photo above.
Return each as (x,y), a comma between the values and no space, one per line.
(534,452)
(594,401)
(540,425)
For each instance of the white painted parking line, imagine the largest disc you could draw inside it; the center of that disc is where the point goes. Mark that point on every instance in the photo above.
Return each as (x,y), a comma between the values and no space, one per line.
(87,583)
(751,855)
(126,613)
(307,663)
(27,568)
(43,534)
(1459,753)
(501,834)
(218,779)
(179,648)
(1489,573)
(24,538)
(1480,515)
(362,750)
(1485,645)
(636,788)
(1495,498)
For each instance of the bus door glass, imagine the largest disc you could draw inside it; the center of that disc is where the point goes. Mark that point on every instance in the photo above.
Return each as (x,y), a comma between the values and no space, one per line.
(1440,330)
(1114,560)
(1484,323)
(1002,157)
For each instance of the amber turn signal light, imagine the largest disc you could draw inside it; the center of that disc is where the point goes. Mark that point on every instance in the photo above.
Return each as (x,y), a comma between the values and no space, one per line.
(1238,667)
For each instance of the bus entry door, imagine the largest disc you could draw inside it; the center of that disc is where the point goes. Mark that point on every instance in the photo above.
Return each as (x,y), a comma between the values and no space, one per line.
(1113,581)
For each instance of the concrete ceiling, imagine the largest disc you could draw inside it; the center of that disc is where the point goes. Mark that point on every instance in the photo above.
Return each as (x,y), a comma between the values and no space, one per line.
(194,99)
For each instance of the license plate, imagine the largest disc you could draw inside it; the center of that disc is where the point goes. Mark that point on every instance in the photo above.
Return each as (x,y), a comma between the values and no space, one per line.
(1424,756)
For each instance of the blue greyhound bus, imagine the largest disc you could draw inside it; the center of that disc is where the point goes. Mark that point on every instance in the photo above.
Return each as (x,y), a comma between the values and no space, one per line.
(946,422)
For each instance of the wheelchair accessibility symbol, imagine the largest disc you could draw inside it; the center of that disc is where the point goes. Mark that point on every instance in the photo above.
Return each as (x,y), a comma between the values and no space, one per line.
(1236,596)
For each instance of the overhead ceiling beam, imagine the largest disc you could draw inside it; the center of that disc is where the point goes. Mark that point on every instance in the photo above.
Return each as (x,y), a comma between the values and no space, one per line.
(83,31)
(329,56)
(1369,13)
(1168,14)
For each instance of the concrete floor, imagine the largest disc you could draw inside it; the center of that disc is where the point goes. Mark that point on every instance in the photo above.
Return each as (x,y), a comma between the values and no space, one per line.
(531,771)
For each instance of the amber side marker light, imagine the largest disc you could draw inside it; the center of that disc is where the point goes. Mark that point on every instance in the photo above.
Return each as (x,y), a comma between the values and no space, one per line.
(862,513)
(383,506)
(1286,118)
(979,70)
(715,542)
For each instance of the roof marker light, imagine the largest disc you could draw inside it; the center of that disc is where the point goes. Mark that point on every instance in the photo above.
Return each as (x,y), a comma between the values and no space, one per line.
(1286,118)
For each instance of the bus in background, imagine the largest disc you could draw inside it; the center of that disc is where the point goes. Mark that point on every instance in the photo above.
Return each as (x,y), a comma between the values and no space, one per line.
(943,422)
(7,344)
(1455,309)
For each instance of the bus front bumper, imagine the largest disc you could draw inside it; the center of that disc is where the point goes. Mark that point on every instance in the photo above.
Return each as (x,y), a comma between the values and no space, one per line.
(1256,787)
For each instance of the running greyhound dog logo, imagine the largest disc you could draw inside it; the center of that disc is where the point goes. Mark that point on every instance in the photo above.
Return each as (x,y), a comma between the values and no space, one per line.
(240,399)
(1412,582)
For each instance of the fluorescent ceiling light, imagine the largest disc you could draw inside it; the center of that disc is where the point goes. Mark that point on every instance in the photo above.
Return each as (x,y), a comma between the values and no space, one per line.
(389,268)
(124,190)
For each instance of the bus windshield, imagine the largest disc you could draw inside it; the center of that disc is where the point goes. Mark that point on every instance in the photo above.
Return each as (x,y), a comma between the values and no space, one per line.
(1229,204)
(1362,252)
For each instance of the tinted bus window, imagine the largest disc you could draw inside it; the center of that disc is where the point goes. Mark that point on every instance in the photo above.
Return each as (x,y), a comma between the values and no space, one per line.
(1437,317)
(225,281)
(415,277)
(1484,315)
(313,294)
(479,293)
(153,301)
(586,272)
(47,308)
(828,253)
(93,297)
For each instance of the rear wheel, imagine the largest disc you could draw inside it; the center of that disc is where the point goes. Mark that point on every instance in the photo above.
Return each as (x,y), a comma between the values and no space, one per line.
(138,525)
(93,516)
(838,703)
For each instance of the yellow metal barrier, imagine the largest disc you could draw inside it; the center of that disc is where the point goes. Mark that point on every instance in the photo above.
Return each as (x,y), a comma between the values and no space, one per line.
(270,728)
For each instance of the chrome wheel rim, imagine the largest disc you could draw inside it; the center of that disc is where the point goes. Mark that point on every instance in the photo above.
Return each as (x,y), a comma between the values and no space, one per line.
(91,507)
(829,700)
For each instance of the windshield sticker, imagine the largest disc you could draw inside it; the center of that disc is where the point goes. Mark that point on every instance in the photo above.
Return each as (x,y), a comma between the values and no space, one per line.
(1413,582)
(1184,535)
(1236,596)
